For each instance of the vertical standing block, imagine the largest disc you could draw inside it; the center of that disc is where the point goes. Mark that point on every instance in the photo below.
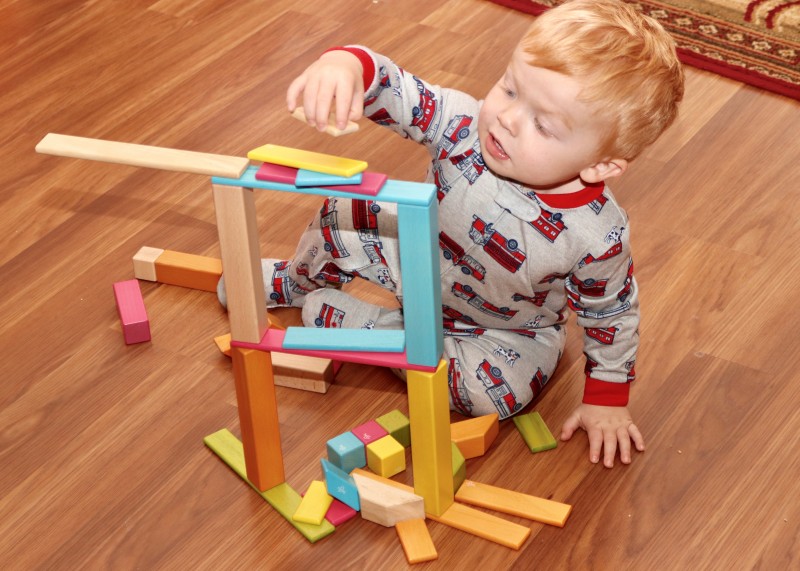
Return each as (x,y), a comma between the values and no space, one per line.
(132,313)
(418,230)
(241,260)
(369,432)
(314,505)
(535,432)
(396,424)
(386,456)
(347,452)
(258,417)
(429,412)
(416,541)
(474,436)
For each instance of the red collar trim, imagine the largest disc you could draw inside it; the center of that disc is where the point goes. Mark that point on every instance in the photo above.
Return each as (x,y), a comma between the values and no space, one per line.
(573,199)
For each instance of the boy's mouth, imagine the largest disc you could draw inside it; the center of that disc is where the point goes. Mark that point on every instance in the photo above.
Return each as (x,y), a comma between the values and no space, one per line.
(495,149)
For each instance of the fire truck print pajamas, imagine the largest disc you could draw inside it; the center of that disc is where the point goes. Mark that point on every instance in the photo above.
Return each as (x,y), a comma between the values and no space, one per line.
(511,261)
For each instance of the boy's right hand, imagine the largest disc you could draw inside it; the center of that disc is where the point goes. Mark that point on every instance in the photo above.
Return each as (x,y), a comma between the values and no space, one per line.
(333,82)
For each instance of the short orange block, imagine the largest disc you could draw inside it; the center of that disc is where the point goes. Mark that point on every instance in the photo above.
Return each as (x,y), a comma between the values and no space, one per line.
(188,270)
(416,540)
(475,435)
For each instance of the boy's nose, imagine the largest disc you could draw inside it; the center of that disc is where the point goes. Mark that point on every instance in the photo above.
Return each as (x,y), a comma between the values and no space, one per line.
(508,118)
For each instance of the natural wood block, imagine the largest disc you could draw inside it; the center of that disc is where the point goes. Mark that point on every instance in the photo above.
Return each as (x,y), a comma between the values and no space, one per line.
(535,432)
(514,503)
(381,479)
(386,456)
(385,504)
(416,540)
(188,270)
(484,525)
(314,505)
(474,436)
(331,129)
(309,160)
(144,263)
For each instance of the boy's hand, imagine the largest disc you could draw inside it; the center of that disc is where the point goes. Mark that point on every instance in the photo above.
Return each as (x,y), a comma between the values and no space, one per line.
(333,82)
(608,427)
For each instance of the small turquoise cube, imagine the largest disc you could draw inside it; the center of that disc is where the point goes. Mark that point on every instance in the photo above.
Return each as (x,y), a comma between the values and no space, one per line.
(347,452)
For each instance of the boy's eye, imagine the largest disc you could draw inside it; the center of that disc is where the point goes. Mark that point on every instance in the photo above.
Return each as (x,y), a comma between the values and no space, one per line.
(539,127)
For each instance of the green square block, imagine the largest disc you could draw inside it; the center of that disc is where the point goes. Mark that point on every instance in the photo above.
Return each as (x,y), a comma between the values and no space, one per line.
(459,467)
(535,432)
(397,424)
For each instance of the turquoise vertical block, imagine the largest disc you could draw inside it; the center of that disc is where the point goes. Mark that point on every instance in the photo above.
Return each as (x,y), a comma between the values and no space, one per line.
(341,485)
(347,452)
(418,228)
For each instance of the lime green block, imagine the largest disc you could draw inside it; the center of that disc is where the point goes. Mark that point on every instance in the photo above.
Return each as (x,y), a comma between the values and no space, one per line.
(535,432)
(397,424)
(459,467)
(282,497)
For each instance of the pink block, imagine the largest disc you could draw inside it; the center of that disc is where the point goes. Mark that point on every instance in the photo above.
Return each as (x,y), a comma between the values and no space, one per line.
(273,341)
(277,173)
(371,184)
(369,432)
(339,513)
(132,314)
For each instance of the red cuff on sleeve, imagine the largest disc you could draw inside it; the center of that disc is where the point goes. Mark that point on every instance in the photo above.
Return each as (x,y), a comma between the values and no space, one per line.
(603,393)
(366,63)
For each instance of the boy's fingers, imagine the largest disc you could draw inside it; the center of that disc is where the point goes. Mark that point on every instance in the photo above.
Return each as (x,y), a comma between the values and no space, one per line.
(624,440)
(637,437)
(344,100)
(595,444)
(295,89)
(610,448)
(310,101)
(569,427)
(323,105)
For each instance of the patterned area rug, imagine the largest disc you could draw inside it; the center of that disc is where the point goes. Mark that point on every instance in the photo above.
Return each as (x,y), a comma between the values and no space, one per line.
(754,41)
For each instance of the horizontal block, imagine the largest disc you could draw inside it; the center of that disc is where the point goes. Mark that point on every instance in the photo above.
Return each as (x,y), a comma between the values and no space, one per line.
(400,192)
(385,504)
(144,263)
(310,160)
(314,505)
(273,341)
(310,178)
(416,541)
(514,503)
(188,270)
(331,129)
(142,155)
(535,432)
(484,525)
(329,339)
(339,513)
(132,313)
(277,173)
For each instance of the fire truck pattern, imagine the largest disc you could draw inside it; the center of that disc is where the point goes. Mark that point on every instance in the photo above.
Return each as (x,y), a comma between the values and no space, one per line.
(549,224)
(457,130)
(470,163)
(459,395)
(442,186)
(466,293)
(424,114)
(502,250)
(538,381)
(365,222)
(282,285)
(452,251)
(329,316)
(538,298)
(498,389)
(330,229)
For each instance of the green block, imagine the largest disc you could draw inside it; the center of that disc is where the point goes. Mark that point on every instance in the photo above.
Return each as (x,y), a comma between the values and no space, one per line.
(397,424)
(459,467)
(282,497)
(535,432)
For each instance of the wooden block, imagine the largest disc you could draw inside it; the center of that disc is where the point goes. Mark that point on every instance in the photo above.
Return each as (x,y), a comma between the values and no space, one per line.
(429,412)
(132,313)
(339,512)
(331,129)
(277,173)
(369,432)
(188,270)
(385,504)
(459,467)
(144,263)
(398,425)
(142,155)
(239,244)
(282,497)
(223,343)
(329,339)
(258,417)
(535,432)
(307,160)
(340,484)
(386,456)
(416,541)
(484,525)
(474,436)
(307,178)
(514,503)
(314,505)
(381,479)
(347,452)
(371,184)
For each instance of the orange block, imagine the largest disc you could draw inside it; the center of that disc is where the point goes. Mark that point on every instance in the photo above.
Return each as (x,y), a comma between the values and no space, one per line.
(484,525)
(416,540)
(475,435)
(188,270)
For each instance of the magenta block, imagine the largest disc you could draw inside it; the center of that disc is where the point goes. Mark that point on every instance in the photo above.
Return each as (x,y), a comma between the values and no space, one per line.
(132,314)
(277,173)
(339,513)
(369,432)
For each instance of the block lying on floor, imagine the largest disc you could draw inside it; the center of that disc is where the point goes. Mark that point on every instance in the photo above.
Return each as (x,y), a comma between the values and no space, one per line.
(132,313)
(416,541)
(177,268)
(385,504)
(474,436)
(484,525)
(514,503)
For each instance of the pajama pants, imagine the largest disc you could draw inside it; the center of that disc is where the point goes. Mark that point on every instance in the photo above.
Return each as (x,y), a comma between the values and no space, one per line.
(489,370)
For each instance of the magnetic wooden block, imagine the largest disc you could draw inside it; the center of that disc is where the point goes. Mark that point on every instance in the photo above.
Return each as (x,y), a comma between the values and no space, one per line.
(282,497)
(474,436)
(398,425)
(142,155)
(144,263)
(535,432)
(416,541)
(371,184)
(132,313)
(340,484)
(188,270)
(339,513)
(369,432)
(459,467)
(385,504)
(386,456)
(347,452)
(387,481)
(514,503)
(331,129)
(484,525)
(429,412)
(329,339)
(307,160)
(418,230)
(223,343)
(306,178)
(258,417)
(277,173)
(314,505)
(241,260)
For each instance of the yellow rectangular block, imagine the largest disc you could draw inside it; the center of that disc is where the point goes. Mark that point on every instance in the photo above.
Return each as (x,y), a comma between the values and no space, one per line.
(514,503)
(314,505)
(429,413)
(416,541)
(484,525)
(188,270)
(317,162)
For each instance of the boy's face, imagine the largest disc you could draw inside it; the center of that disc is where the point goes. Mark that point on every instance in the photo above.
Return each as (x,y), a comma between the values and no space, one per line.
(534,130)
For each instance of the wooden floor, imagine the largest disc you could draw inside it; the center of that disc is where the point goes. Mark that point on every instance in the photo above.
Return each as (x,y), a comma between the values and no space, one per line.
(103,465)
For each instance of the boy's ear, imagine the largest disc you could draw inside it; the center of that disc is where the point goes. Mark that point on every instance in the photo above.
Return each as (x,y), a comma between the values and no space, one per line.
(604,170)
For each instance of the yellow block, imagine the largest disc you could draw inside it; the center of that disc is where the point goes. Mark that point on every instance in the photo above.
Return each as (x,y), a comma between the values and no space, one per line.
(514,503)
(429,413)
(386,456)
(484,525)
(416,540)
(317,162)
(314,505)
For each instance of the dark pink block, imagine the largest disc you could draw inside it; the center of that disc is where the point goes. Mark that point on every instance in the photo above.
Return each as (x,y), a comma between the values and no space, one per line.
(132,314)
(371,184)
(369,432)
(277,173)
(339,513)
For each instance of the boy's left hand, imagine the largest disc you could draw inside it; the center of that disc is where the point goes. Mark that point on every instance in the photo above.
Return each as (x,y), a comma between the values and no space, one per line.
(608,427)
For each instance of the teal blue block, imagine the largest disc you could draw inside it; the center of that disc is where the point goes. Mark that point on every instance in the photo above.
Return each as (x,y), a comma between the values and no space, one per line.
(341,485)
(347,452)
(400,192)
(418,228)
(310,178)
(328,339)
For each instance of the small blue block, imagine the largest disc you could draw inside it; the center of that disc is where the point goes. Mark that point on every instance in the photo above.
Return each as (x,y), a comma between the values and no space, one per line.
(310,178)
(347,452)
(330,339)
(341,485)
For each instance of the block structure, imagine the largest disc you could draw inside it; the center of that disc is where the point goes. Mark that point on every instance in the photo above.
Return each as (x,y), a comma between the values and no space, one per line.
(340,485)
(369,432)
(398,425)
(314,505)
(386,456)
(385,504)
(459,467)
(474,436)
(132,313)
(347,452)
